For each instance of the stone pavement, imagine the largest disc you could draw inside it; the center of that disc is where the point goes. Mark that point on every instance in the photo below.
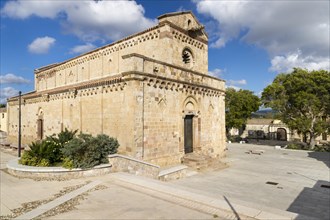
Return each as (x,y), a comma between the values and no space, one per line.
(241,187)
(298,174)
(16,191)
(113,202)
(117,202)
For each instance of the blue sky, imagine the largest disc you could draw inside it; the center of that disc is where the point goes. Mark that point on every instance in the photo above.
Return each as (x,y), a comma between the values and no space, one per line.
(250,42)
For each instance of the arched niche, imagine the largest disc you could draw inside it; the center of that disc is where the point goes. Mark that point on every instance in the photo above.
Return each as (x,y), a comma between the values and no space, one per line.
(40,124)
(190,106)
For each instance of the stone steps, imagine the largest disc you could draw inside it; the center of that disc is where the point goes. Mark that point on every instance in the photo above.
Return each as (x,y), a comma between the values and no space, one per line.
(200,162)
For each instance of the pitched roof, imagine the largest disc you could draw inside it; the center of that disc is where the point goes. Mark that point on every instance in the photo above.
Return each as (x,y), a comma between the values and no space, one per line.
(175,14)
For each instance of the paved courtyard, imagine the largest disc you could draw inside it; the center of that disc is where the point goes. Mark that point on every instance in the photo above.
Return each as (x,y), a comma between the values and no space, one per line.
(111,202)
(298,174)
(295,179)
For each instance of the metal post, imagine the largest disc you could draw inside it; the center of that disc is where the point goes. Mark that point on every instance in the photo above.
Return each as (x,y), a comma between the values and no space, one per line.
(19,123)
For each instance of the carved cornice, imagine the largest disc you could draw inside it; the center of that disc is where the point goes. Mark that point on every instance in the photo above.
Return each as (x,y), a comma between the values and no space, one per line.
(171,65)
(117,83)
(173,84)
(183,37)
(130,41)
(113,83)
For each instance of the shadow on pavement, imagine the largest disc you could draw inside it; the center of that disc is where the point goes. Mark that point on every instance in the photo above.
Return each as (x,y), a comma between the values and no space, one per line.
(321,156)
(232,208)
(313,202)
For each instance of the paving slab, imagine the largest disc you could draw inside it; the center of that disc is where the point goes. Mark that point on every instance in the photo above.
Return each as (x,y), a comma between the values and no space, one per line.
(117,202)
(50,205)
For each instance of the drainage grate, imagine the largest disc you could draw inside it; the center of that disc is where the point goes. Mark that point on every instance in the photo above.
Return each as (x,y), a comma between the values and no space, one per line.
(271,183)
(326,186)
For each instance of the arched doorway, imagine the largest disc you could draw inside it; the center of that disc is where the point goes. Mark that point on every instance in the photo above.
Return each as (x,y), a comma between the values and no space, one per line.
(190,125)
(188,134)
(40,125)
(281,134)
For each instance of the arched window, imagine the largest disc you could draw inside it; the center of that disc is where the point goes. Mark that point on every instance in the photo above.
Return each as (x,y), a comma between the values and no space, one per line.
(189,23)
(187,57)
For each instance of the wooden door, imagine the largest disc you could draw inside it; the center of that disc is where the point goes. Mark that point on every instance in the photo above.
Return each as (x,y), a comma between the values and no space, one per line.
(188,134)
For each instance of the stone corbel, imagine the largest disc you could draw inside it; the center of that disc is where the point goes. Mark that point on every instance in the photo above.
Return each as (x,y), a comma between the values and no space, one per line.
(73,92)
(45,97)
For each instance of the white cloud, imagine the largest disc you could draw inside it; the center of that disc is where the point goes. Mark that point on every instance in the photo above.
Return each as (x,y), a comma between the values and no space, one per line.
(24,9)
(41,45)
(287,62)
(79,49)
(280,27)
(89,20)
(237,82)
(13,79)
(221,42)
(233,87)
(7,92)
(217,72)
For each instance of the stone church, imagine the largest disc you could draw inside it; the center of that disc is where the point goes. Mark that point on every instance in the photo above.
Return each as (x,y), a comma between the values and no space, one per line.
(150,90)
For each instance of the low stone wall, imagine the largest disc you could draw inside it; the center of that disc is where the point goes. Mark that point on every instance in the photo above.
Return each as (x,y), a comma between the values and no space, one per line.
(121,163)
(117,163)
(173,173)
(54,173)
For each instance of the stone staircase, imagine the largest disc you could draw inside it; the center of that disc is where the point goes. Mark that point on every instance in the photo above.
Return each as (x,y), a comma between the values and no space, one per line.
(201,162)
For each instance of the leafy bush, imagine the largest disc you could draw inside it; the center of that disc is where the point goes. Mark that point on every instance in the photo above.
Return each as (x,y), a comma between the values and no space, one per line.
(87,151)
(322,148)
(304,146)
(28,159)
(84,151)
(47,152)
(44,163)
(296,146)
(67,163)
(63,137)
(40,154)
(234,138)
(57,143)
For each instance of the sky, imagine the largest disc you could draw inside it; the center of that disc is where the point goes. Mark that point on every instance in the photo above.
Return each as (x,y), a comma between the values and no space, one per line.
(250,42)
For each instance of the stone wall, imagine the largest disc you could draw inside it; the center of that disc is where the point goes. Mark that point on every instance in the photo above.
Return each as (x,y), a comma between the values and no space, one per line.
(3,119)
(137,90)
(143,110)
(54,173)
(122,163)
(165,41)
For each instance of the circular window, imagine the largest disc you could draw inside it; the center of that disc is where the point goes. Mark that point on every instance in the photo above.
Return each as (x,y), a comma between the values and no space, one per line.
(187,57)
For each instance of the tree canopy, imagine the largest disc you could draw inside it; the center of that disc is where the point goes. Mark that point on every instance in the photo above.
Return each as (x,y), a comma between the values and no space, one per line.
(239,106)
(302,99)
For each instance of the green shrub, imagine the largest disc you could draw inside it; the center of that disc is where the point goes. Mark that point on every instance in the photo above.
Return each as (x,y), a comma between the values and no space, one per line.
(67,163)
(234,138)
(28,159)
(87,151)
(322,148)
(47,152)
(38,155)
(84,151)
(56,143)
(43,163)
(296,146)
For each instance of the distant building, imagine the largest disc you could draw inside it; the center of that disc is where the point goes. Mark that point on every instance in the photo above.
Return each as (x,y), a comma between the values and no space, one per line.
(260,128)
(3,120)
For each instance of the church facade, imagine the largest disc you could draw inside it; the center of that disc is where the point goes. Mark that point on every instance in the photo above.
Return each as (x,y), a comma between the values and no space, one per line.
(150,90)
